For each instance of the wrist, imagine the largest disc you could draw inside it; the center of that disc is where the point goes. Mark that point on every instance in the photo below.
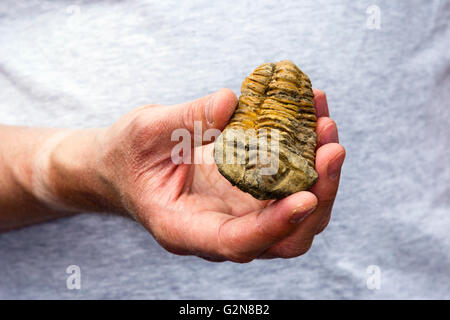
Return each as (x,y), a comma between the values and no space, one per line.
(66,174)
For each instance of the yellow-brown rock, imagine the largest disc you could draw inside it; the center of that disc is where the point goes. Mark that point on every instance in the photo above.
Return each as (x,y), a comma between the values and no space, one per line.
(275,113)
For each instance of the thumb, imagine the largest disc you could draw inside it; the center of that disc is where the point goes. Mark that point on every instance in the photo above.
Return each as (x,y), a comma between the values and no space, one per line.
(188,121)
(212,112)
(247,237)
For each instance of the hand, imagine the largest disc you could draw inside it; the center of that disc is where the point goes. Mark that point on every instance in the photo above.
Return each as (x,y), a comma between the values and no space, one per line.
(191,209)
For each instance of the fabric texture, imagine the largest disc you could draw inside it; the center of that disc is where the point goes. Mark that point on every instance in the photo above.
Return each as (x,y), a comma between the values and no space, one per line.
(86,63)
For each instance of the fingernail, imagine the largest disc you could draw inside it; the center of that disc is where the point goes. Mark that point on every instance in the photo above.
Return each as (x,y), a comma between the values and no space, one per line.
(209,110)
(334,166)
(298,215)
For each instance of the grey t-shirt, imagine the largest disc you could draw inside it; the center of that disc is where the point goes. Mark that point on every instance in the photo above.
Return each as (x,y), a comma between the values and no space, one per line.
(385,66)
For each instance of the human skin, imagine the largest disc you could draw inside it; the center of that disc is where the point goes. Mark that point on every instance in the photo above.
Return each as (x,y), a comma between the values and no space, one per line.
(190,209)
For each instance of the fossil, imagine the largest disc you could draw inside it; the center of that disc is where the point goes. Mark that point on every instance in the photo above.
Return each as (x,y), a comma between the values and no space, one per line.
(268,147)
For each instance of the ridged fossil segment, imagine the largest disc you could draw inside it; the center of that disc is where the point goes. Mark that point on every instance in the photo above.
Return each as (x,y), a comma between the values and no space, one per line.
(276,101)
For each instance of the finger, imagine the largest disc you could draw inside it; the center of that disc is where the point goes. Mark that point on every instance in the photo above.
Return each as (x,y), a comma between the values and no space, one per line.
(220,236)
(326,190)
(243,239)
(320,103)
(328,164)
(327,131)
(188,125)
(212,111)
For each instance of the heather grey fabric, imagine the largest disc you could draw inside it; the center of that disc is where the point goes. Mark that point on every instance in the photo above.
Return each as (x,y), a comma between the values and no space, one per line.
(85,63)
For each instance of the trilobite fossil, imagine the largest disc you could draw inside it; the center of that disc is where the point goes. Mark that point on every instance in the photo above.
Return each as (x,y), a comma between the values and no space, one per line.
(268,147)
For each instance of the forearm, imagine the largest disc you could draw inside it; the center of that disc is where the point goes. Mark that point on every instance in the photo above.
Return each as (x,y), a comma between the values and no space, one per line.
(49,173)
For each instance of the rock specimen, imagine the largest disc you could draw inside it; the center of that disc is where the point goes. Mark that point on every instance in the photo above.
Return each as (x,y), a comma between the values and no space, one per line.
(268,147)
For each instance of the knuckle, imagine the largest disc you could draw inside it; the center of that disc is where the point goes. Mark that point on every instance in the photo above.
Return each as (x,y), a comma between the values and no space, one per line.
(139,131)
(189,115)
(265,231)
